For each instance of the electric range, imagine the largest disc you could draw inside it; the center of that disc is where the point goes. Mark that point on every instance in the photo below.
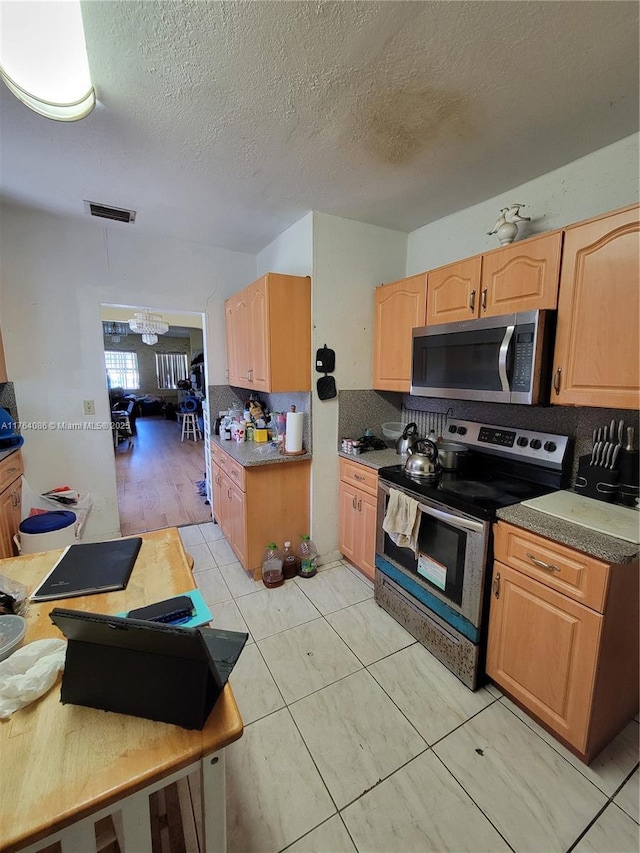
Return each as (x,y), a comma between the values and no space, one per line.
(434,582)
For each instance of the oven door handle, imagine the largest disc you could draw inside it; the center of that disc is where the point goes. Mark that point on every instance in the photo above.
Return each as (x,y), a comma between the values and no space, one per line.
(451,518)
(502,358)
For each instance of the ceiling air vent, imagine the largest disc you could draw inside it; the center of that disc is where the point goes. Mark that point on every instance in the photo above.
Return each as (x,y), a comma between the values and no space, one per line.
(117,214)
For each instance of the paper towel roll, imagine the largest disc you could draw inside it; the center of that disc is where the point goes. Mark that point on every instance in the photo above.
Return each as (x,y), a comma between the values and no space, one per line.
(293,437)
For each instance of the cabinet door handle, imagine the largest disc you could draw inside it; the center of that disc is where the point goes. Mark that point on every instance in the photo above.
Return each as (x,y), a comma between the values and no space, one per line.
(250,375)
(484,299)
(472,301)
(542,565)
(354,502)
(359,504)
(496,585)
(556,380)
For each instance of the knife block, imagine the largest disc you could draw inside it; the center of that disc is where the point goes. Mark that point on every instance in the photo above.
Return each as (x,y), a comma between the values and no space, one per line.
(628,461)
(596,481)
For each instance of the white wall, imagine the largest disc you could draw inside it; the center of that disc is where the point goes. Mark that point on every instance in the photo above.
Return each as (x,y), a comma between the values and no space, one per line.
(346,260)
(56,272)
(291,253)
(601,181)
(350,259)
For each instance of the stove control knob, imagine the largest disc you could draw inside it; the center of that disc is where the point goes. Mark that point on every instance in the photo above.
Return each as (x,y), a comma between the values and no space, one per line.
(522,441)
(453,428)
(536,444)
(462,430)
(550,446)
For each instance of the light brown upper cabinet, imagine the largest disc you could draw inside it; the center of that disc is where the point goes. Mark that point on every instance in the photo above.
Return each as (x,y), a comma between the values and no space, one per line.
(520,277)
(596,352)
(268,329)
(399,307)
(454,292)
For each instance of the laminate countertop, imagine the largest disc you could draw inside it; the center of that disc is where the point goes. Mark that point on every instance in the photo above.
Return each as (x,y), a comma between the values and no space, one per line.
(250,453)
(599,545)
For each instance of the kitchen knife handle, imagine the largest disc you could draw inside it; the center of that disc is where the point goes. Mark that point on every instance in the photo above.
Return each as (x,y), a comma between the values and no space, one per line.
(472,301)
(541,565)
(556,381)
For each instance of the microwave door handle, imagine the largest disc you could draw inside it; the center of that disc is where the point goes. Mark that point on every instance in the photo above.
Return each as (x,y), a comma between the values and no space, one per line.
(502,358)
(452,519)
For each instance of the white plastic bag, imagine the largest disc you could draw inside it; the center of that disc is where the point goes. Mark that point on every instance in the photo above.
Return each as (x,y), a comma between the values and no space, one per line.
(28,673)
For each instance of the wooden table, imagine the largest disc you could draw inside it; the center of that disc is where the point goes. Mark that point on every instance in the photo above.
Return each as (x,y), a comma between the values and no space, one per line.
(66,766)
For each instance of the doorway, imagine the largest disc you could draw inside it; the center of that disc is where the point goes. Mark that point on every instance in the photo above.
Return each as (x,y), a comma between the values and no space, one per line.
(161,479)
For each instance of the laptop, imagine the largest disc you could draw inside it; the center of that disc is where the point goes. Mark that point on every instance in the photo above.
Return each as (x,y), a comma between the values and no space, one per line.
(163,672)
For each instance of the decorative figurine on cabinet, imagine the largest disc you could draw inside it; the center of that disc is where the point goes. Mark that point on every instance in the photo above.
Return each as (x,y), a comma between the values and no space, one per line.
(505,228)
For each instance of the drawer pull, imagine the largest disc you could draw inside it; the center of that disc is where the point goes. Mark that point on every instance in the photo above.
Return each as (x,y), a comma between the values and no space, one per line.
(542,565)
(359,477)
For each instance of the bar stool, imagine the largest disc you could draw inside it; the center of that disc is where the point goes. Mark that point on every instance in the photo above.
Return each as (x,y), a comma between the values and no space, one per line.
(190,426)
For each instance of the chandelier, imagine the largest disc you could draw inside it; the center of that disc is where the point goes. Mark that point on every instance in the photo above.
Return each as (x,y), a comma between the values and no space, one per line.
(115,331)
(149,326)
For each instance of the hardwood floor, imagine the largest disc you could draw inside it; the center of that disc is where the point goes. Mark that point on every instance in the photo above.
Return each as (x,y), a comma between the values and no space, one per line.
(157,478)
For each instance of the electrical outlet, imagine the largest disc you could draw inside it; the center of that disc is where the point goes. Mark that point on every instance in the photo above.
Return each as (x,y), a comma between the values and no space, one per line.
(89,407)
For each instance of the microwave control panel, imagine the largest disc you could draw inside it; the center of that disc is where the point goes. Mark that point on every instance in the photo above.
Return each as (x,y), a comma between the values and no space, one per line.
(523,357)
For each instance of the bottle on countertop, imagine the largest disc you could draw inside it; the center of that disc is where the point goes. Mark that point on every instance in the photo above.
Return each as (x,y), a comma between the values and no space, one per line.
(272,566)
(290,562)
(308,555)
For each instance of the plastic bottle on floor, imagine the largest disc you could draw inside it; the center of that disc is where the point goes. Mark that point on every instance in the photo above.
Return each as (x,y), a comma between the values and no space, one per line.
(289,562)
(272,566)
(308,555)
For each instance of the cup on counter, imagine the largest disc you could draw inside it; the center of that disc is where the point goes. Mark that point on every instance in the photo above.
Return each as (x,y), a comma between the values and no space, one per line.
(238,431)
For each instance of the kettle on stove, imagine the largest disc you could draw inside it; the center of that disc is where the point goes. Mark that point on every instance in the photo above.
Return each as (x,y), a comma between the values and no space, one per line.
(407,439)
(423,461)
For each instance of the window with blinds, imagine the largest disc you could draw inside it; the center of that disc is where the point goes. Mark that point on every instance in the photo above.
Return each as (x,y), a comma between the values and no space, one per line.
(171,368)
(122,369)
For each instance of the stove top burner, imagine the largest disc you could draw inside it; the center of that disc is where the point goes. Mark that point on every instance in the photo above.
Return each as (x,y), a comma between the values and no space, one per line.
(470,489)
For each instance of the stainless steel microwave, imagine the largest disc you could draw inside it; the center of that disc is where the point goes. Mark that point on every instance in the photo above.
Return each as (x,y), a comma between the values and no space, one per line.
(504,359)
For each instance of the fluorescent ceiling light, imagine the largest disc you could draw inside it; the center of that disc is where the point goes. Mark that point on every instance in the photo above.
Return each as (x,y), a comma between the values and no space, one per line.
(43,57)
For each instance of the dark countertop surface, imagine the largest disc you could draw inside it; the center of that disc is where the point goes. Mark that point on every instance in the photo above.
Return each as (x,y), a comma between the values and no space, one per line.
(251,453)
(576,536)
(598,545)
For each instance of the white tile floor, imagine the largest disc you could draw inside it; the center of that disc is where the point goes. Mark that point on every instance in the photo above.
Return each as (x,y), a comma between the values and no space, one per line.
(357,739)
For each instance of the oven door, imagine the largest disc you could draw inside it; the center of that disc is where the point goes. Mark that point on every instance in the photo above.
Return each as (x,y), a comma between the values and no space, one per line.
(449,570)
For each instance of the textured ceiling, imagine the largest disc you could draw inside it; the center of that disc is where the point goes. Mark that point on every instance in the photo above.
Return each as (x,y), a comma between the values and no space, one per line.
(225,122)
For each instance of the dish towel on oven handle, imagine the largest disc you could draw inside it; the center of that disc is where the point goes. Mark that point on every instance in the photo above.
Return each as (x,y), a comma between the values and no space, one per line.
(402,520)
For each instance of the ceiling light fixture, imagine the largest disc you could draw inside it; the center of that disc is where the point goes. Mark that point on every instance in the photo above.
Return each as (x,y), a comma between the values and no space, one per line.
(43,58)
(149,326)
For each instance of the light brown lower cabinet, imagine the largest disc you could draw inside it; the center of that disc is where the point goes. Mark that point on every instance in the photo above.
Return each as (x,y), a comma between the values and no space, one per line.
(563,637)
(10,502)
(357,515)
(259,504)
